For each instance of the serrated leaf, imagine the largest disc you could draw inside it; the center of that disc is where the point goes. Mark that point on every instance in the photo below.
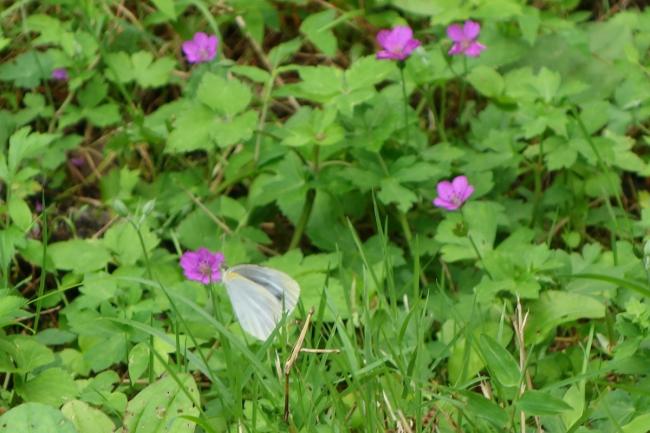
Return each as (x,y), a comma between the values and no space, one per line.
(315,27)
(228,97)
(486,80)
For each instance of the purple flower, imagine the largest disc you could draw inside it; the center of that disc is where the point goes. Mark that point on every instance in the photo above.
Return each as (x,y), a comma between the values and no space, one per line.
(201,48)
(396,44)
(38,206)
(60,74)
(465,39)
(452,195)
(202,265)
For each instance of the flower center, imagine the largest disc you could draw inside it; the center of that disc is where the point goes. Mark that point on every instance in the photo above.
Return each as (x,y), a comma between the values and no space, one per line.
(455,199)
(203,54)
(205,269)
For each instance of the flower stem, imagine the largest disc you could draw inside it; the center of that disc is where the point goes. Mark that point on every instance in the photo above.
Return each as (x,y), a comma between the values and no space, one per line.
(463,88)
(443,110)
(406,119)
(476,250)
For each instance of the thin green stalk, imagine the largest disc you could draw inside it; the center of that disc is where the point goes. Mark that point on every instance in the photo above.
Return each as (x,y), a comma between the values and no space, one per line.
(41,282)
(476,250)
(538,172)
(443,110)
(405,100)
(304,218)
(463,87)
(307,206)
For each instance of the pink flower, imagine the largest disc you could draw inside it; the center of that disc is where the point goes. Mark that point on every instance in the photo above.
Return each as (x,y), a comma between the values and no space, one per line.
(201,48)
(396,44)
(60,74)
(202,265)
(452,195)
(465,39)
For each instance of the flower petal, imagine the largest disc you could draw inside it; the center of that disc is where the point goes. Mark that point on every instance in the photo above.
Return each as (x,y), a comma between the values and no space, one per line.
(456,48)
(471,29)
(383,54)
(444,204)
(445,190)
(382,38)
(474,49)
(455,33)
(201,39)
(460,184)
(191,51)
(411,46)
(467,194)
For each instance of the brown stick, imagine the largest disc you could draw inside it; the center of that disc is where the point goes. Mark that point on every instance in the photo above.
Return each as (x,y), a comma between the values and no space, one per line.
(292,359)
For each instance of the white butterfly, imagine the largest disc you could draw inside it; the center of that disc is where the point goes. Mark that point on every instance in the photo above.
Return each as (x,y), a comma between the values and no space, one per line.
(260,296)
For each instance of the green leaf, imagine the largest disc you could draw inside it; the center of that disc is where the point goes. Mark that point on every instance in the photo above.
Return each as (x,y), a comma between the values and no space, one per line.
(166,7)
(574,397)
(86,418)
(228,97)
(486,409)
(231,131)
(638,425)
(487,81)
(53,386)
(554,308)
(35,418)
(316,28)
(192,130)
(20,213)
(539,403)
(122,239)
(79,255)
(499,361)
(160,407)
(149,73)
(392,192)
(120,68)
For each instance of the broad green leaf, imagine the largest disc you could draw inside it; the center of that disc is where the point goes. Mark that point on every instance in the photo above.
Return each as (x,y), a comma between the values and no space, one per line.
(150,73)
(554,308)
(574,397)
(499,361)
(35,418)
(486,80)
(86,418)
(228,97)
(20,213)
(160,406)
(638,425)
(316,28)
(481,407)
(53,386)
(166,7)
(79,255)
(539,403)
(122,239)
(192,130)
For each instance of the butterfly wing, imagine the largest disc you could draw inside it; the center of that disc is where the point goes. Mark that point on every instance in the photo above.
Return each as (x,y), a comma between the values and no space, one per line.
(283,288)
(257,295)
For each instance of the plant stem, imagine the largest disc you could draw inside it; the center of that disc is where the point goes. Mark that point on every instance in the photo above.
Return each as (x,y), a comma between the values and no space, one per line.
(406,119)
(307,207)
(463,88)
(476,250)
(442,111)
(304,218)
